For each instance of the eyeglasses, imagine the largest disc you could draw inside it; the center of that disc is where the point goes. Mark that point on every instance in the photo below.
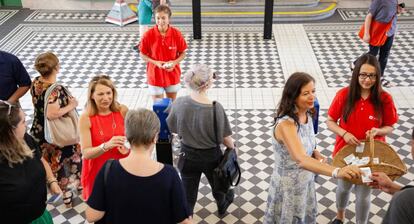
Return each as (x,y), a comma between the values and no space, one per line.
(8,105)
(371,76)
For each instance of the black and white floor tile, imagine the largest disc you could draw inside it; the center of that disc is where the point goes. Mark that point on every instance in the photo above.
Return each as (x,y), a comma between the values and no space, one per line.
(247,66)
(103,49)
(335,49)
(66,16)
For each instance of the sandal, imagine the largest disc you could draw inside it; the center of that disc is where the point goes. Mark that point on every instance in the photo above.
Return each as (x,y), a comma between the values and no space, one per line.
(67,200)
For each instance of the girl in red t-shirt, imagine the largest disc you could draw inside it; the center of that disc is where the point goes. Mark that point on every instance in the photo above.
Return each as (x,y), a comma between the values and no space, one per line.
(362,108)
(163,47)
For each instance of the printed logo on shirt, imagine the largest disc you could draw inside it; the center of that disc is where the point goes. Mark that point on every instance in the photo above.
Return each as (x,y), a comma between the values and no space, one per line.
(172,47)
(372,118)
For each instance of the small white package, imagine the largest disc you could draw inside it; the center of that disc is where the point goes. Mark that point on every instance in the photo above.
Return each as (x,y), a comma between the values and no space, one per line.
(366,174)
(349,159)
(376,160)
(360,148)
(363,161)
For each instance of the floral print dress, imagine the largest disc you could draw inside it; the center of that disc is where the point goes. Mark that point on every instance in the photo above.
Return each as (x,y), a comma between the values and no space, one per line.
(65,162)
(292,196)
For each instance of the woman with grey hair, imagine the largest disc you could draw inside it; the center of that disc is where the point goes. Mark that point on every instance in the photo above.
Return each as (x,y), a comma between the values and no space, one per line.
(137,188)
(192,118)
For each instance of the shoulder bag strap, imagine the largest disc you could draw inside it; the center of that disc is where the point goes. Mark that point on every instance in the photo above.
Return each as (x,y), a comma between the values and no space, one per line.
(47,94)
(239,171)
(215,124)
(108,165)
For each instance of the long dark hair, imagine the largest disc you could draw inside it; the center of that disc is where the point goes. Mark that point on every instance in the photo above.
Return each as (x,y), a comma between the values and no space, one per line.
(354,93)
(290,93)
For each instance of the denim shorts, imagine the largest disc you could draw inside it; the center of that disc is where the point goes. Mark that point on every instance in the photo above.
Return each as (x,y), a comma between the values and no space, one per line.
(157,90)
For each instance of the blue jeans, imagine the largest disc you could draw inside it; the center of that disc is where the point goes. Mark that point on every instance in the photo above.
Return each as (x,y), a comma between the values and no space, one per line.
(384,52)
(195,162)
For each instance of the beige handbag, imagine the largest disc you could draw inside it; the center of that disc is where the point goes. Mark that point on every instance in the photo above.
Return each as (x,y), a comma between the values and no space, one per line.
(62,131)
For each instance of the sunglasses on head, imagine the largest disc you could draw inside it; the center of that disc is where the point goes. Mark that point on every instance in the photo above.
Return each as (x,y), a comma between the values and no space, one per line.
(99,77)
(6,105)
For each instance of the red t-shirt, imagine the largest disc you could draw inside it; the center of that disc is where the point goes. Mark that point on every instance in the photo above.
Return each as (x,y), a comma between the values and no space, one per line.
(362,118)
(163,48)
(90,167)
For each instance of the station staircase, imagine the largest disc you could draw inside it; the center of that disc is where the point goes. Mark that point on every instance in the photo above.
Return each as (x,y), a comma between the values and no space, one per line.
(246,11)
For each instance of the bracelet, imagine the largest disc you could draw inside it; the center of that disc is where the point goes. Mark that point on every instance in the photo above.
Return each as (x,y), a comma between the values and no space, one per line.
(335,172)
(51,182)
(102,147)
(343,135)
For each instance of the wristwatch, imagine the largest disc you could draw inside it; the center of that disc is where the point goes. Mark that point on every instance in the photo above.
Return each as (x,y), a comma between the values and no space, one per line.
(102,147)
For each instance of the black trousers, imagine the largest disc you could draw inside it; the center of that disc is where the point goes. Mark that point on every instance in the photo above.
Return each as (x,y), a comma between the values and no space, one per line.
(194,162)
(384,52)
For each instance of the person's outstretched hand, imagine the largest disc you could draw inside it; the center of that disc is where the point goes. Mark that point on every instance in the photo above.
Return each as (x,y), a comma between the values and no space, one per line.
(384,183)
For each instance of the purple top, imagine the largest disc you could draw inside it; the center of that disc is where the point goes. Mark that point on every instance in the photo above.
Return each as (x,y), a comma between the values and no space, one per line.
(383,11)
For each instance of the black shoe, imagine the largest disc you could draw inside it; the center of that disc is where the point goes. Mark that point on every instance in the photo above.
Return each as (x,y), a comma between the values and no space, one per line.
(337,221)
(227,202)
(352,66)
(386,83)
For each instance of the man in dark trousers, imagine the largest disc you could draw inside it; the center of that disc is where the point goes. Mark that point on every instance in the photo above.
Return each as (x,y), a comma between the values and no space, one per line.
(14,79)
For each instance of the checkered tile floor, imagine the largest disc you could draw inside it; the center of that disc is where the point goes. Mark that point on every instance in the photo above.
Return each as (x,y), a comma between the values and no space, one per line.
(83,54)
(337,47)
(67,16)
(249,70)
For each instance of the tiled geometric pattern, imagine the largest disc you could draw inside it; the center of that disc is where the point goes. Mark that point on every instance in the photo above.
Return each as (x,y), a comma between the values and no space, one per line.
(252,60)
(67,16)
(359,14)
(335,50)
(252,131)
(5,14)
(247,66)
(84,53)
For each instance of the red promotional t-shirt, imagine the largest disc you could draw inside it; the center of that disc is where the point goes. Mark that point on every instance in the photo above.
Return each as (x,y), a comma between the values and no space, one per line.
(363,117)
(163,48)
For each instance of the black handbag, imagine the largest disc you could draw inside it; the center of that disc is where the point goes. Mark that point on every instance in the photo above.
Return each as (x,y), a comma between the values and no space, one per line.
(228,170)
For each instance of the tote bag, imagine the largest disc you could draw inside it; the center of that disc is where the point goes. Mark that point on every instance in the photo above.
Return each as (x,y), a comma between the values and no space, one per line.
(378,32)
(62,131)
(228,171)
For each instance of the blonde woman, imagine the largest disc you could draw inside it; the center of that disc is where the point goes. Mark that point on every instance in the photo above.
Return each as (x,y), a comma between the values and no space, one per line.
(102,130)
(137,187)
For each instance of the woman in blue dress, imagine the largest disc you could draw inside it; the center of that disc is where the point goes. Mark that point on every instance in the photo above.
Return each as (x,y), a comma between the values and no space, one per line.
(292,197)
